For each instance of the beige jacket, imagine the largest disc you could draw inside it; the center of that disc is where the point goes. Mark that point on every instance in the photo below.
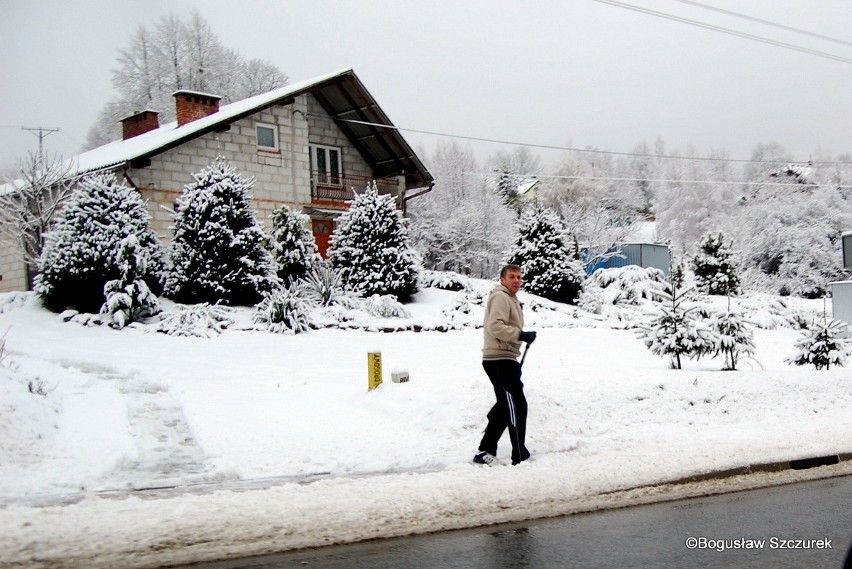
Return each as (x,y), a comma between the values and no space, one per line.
(503,322)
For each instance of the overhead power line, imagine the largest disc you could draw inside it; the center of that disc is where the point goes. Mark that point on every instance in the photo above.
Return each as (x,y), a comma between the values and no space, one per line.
(585,150)
(724,30)
(764,22)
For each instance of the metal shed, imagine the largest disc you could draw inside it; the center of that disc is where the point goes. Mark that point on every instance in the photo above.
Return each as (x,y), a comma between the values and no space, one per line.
(643,255)
(841,302)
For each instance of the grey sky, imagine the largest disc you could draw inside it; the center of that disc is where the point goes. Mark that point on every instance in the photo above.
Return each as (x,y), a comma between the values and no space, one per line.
(552,72)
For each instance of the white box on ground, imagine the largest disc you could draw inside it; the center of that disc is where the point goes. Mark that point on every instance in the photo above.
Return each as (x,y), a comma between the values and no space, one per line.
(399,376)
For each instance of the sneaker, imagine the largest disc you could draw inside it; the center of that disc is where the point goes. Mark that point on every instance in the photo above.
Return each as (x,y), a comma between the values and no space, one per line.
(485,458)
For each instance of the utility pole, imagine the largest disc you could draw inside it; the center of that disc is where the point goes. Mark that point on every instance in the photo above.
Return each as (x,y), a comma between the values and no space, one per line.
(42,132)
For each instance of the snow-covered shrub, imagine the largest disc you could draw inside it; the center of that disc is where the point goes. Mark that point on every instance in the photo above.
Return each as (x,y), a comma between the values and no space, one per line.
(79,255)
(219,249)
(128,297)
(591,300)
(13,300)
(676,331)
(630,284)
(823,345)
(293,245)
(444,280)
(199,320)
(733,337)
(323,286)
(542,253)
(283,311)
(384,306)
(372,250)
(715,271)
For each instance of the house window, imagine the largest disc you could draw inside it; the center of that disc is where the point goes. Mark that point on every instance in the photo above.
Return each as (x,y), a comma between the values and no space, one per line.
(267,137)
(326,162)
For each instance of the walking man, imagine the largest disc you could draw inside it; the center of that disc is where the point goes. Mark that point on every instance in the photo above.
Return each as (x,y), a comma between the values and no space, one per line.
(503,334)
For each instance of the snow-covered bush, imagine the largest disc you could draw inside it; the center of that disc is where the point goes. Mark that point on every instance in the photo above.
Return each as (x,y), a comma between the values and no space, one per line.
(199,320)
(542,253)
(630,284)
(219,249)
(323,286)
(293,245)
(733,337)
(371,248)
(79,255)
(676,331)
(384,306)
(444,280)
(823,345)
(128,297)
(283,311)
(715,271)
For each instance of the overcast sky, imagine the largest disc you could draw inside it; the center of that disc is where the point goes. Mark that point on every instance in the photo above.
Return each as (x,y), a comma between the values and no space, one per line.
(576,73)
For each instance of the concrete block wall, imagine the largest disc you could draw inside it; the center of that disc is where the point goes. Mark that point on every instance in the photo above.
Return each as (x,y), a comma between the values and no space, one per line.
(324,131)
(13,274)
(281,176)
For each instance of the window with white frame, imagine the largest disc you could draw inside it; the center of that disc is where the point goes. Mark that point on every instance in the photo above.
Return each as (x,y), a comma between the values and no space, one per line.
(326,162)
(267,136)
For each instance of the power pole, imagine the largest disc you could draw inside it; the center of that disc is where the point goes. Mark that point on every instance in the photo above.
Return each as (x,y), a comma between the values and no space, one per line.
(42,132)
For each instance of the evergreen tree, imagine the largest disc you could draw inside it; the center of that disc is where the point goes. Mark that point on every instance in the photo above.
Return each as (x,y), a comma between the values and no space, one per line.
(293,245)
(218,253)
(80,252)
(128,297)
(733,338)
(823,345)
(677,331)
(371,248)
(715,272)
(542,253)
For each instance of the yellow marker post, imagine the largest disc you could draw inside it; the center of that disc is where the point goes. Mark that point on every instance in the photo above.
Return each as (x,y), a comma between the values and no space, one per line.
(374,370)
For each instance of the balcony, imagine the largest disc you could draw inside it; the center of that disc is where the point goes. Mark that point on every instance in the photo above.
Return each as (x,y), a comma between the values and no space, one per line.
(340,188)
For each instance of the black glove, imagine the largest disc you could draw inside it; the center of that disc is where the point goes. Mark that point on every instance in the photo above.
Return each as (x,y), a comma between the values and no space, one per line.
(528,337)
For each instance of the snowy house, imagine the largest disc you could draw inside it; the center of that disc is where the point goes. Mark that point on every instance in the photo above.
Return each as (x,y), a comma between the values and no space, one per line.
(309,145)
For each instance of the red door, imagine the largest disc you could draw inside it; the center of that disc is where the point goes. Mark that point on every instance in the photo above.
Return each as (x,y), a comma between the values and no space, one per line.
(322,234)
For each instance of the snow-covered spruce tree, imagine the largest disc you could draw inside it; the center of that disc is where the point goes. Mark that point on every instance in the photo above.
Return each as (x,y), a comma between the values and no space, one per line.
(715,271)
(371,248)
(219,250)
(542,253)
(676,331)
(823,345)
(80,252)
(128,297)
(293,246)
(733,337)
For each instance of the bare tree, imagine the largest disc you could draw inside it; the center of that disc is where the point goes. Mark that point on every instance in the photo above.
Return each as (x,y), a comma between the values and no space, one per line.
(28,206)
(178,55)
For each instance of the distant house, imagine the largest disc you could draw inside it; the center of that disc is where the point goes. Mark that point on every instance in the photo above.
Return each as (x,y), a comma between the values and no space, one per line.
(308,145)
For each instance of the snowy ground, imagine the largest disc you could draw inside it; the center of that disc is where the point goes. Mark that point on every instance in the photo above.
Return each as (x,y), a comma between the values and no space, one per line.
(273,441)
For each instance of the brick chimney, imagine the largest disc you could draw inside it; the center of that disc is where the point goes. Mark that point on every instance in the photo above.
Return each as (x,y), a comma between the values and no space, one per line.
(191,105)
(140,123)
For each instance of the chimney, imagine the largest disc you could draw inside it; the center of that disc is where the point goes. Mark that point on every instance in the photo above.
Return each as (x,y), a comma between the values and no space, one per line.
(191,105)
(140,123)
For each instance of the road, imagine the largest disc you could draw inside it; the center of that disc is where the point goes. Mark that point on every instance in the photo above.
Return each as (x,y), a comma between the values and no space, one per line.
(755,528)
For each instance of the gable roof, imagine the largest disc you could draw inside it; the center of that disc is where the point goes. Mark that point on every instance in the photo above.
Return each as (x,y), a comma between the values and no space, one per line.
(342,96)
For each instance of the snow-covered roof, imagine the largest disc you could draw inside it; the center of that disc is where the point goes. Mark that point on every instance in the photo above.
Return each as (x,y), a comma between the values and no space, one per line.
(525,185)
(340,93)
(170,135)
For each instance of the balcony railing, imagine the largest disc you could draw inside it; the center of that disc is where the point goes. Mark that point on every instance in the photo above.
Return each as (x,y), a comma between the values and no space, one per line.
(333,187)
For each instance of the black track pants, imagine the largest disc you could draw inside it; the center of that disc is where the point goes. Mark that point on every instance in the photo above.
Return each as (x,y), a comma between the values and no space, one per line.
(510,410)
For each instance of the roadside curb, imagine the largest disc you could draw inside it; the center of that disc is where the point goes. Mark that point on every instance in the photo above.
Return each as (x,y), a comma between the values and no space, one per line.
(779,466)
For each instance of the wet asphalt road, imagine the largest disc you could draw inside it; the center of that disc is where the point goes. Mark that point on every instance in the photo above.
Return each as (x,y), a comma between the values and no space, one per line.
(744,529)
